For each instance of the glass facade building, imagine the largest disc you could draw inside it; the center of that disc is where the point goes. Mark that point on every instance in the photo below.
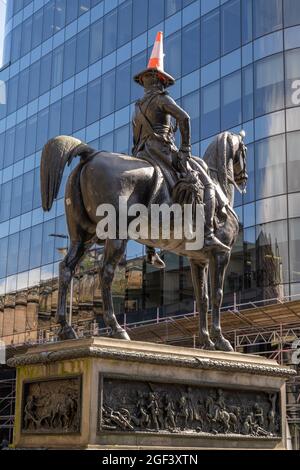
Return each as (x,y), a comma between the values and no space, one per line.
(68,68)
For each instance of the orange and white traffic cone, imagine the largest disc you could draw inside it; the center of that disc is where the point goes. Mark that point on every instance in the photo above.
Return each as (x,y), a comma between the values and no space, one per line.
(156,63)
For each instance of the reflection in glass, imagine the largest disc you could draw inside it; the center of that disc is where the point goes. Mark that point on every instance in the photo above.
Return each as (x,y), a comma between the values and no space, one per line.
(292,74)
(295,249)
(231,26)
(210,37)
(270,167)
(293,158)
(267,16)
(231,111)
(272,258)
(210,106)
(269,85)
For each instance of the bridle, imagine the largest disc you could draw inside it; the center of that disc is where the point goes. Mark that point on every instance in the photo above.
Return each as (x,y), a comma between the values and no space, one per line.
(240,159)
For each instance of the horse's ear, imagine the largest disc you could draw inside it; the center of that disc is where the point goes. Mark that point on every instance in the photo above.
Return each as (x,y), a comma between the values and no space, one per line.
(242,134)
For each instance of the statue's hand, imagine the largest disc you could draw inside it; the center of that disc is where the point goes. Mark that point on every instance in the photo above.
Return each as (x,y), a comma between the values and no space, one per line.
(183,157)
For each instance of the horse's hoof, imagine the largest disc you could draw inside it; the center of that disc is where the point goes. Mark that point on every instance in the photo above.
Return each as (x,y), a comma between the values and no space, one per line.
(222,344)
(207,345)
(120,333)
(66,332)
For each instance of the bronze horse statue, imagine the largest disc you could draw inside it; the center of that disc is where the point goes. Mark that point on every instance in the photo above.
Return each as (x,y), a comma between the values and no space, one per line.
(101,178)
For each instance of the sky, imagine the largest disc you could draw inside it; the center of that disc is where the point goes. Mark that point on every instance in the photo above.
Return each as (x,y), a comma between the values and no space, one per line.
(2,21)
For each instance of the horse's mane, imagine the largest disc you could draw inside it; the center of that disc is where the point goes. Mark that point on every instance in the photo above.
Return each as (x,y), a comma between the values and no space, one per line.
(216,157)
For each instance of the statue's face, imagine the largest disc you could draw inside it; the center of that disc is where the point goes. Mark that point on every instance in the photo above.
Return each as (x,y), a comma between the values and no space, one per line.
(151,80)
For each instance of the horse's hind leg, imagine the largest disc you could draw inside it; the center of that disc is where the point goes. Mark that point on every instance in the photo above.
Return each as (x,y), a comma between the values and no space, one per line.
(66,271)
(200,283)
(113,253)
(218,267)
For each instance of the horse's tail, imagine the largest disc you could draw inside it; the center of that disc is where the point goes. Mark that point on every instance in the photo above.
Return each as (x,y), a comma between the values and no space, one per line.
(56,154)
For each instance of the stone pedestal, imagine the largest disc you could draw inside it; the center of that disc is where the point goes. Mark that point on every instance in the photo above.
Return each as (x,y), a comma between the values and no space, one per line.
(101,393)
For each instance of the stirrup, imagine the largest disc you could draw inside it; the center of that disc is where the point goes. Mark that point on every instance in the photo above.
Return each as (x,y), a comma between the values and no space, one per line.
(155,260)
(211,242)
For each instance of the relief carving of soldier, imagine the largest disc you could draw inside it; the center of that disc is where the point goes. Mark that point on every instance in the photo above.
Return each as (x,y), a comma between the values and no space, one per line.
(154,137)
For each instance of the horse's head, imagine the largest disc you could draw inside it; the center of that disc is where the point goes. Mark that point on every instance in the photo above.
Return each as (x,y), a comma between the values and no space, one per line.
(239,151)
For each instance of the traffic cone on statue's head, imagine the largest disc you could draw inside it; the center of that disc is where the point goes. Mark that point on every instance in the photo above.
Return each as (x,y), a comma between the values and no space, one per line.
(156,64)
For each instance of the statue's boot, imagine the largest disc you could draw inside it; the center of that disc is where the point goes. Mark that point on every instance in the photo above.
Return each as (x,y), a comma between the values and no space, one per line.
(210,240)
(154,259)
(66,332)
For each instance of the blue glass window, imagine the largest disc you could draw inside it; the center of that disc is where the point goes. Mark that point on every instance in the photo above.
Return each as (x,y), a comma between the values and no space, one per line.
(48,242)
(250,194)
(16,201)
(231,112)
(291,12)
(93,101)
(247,20)
(36,189)
(269,85)
(12,98)
(28,184)
(34,80)
(140,17)
(42,129)
(20,141)
(16,43)
(173,57)
(82,51)
(110,33)
(37,29)
(23,88)
(45,73)
(108,93)
(292,77)
(96,41)
(36,246)
(69,58)
(71,10)
(191,104)
(267,16)
(48,23)
(79,120)
(31,135)
(138,64)
(13,250)
(26,36)
(57,66)
(210,37)
(190,49)
(60,14)
(156,12)
(84,6)
(3,251)
(2,142)
(123,82)
(5,201)
(172,6)
(23,258)
(67,115)
(9,147)
(121,140)
(293,159)
(54,119)
(270,167)
(210,110)
(231,26)
(247,101)
(124,22)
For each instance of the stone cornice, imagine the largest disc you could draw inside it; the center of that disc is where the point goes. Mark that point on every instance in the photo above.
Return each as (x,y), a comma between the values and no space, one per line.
(191,362)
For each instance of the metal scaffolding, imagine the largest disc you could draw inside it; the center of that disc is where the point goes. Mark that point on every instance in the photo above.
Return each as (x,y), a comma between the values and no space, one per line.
(7,408)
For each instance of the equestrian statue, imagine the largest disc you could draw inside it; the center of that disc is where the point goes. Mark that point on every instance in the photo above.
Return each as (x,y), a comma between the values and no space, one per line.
(157,173)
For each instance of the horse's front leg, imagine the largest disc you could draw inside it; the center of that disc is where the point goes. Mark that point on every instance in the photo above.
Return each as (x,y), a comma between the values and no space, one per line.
(218,268)
(66,272)
(113,253)
(200,280)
